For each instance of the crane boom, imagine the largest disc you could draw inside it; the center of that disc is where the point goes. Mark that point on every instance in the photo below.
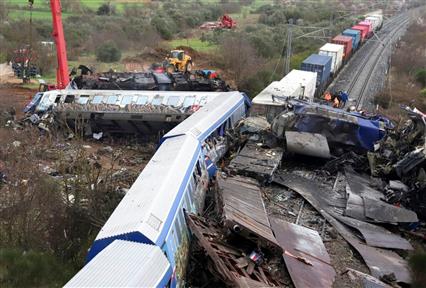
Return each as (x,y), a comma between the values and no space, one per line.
(62,76)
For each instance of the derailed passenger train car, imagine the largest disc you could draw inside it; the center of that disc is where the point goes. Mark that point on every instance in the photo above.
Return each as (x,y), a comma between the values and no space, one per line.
(124,112)
(151,214)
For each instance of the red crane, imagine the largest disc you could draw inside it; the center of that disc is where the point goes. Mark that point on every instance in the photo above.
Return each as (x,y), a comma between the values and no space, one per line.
(62,76)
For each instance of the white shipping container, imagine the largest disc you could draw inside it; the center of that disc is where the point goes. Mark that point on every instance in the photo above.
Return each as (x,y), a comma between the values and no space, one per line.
(376,21)
(306,80)
(336,52)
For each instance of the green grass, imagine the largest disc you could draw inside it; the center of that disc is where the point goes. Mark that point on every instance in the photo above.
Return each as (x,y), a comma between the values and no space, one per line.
(37,15)
(194,43)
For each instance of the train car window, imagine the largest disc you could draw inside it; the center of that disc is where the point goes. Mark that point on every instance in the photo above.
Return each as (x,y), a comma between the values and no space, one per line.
(58,98)
(69,99)
(173,101)
(112,99)
(157,100)
(97,99)
(187,201)
(198,168)
(188,101)
(83,99)
(142,100)
(182,218)
(126,100)
(178,226)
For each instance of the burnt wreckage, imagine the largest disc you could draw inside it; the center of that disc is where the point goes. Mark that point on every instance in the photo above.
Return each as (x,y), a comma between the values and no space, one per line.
(198,80)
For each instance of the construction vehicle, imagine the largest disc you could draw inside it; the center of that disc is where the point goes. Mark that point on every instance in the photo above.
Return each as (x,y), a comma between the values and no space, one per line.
(178,61)
(225,22)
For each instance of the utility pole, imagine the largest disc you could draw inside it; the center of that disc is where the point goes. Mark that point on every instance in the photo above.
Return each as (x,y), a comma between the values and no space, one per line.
(288,51)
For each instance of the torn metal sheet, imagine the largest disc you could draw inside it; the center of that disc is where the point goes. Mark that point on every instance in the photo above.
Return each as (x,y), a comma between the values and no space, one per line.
(361,185)
(257,162)
(384,212)
(305,255)
(368,281)
(226,259)
(371,206)
(243,209)
(354,205)
(375,235)
(310,144)
(380,261)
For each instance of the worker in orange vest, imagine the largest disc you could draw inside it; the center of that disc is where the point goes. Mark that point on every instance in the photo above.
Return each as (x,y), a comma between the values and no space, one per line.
(327,96)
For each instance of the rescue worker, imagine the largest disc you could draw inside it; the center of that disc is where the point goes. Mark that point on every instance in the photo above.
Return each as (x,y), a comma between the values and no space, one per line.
(343,97)
(327,96)
(336,102)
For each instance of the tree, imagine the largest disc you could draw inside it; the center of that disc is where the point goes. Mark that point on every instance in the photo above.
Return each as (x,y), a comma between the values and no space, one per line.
(106,9)
(238,56)
(108,53)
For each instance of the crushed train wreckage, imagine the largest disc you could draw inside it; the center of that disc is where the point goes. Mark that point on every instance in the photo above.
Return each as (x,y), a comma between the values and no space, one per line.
(250,246)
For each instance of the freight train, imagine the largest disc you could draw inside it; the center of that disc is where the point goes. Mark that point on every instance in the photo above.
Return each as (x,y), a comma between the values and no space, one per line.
(323,67)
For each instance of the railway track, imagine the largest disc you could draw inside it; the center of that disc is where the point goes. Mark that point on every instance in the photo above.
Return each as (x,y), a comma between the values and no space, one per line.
(369,67)
(357,75)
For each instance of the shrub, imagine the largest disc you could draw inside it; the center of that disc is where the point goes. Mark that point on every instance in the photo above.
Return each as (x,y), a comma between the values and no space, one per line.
(108,53)
(421,76)
(105,9)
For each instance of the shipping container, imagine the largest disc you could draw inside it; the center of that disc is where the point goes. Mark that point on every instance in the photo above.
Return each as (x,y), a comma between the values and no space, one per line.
(356,37)
(320,64)
(369,25)
(376,21)
(363,30)
(296,84)
(346,41)
(336,52)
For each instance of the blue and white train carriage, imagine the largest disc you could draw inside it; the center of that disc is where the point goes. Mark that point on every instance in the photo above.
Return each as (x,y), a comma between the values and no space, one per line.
(151,215)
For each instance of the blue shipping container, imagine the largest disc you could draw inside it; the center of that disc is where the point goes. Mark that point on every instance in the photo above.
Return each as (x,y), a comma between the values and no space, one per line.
(356,37)
(320,64)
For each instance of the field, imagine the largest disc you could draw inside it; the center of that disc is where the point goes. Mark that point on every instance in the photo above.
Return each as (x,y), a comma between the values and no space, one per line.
(194,43)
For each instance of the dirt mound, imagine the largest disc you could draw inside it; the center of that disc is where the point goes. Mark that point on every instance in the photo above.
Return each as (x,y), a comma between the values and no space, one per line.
(191,51)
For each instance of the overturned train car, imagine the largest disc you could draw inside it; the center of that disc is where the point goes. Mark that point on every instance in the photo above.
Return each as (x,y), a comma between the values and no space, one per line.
(150,217)
(118,111)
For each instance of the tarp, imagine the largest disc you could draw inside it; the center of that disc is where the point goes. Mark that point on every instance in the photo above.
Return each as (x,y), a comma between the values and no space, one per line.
(339,126)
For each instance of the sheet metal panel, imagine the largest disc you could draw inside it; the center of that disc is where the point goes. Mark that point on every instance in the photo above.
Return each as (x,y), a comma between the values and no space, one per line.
(125,264)
(243,206)
(304,254)
(379,261)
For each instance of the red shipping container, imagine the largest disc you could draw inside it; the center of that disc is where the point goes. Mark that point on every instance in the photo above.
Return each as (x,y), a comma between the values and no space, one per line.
(369,25)
(345,41)
(363,30)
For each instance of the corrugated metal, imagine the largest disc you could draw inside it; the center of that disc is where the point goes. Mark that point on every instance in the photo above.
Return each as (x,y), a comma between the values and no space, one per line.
(321,65)
(367,24)
(345,41)
(356,37)
(336,52)
(363,30)
(375,21)
(154,191)
(124,264)
(203,119)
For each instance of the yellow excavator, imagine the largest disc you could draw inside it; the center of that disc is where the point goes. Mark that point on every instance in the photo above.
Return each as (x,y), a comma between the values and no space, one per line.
(178,60)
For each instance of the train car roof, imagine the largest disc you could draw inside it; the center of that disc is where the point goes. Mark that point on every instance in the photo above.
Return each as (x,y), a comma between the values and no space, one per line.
(147,208)
(125,264)
(135,92)
(209,117)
